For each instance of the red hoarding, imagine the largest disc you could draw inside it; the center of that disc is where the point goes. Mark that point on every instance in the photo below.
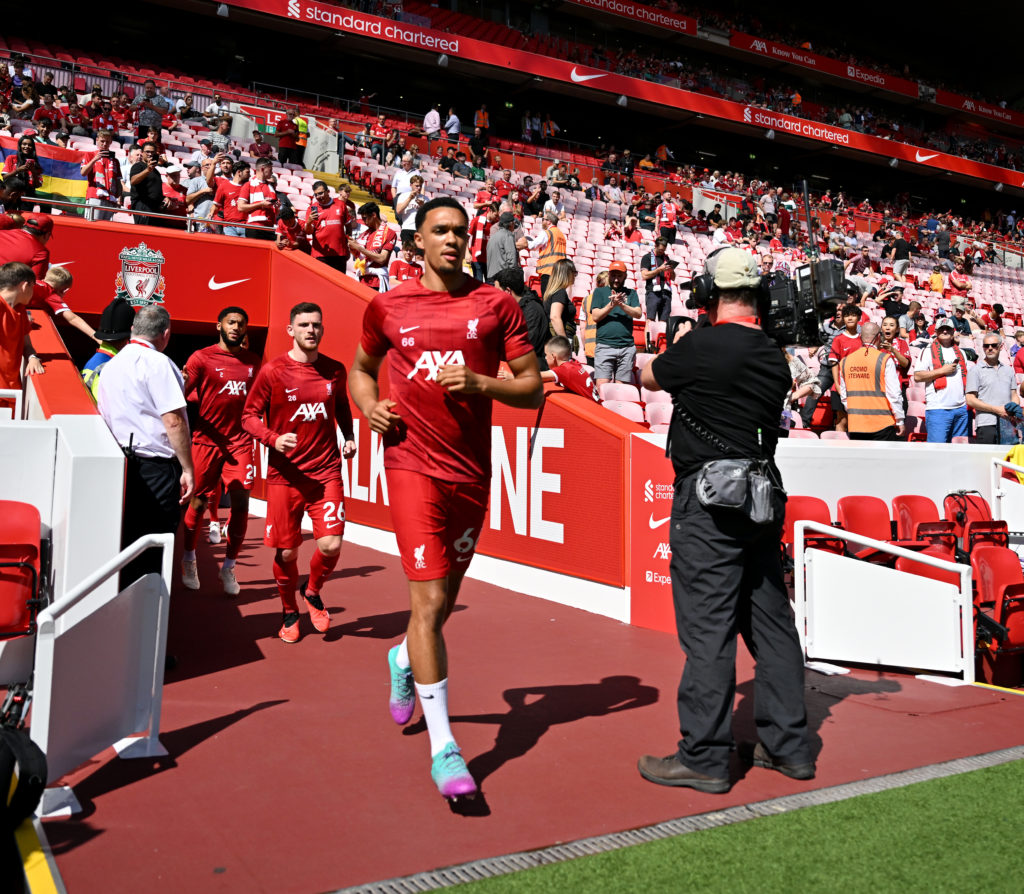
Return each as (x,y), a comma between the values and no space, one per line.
(649,492)
(640,13)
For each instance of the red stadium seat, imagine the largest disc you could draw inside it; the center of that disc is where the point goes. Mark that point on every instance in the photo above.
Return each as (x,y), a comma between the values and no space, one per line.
(973,522)
(19,568)
(911,566)
(809,509)
(918,519)
(999,599)
(869,517)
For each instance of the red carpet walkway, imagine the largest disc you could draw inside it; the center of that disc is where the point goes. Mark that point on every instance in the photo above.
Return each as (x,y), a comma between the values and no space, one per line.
(286,773)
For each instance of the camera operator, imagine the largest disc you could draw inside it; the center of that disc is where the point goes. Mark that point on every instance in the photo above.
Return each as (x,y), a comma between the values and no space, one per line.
(729,379)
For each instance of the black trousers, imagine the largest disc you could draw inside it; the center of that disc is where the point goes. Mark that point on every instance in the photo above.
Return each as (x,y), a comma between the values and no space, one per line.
(151,493)
(668,233)
(659,305)
(338,263)
(885,434)
(727,579)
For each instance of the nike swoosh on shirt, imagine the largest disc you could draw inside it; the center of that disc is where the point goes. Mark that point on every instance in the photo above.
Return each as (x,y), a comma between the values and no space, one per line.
(579,79)
(60,263)
(919,157)
(290,390)
(657,522)
(216,286)
(334,525)
(403,329)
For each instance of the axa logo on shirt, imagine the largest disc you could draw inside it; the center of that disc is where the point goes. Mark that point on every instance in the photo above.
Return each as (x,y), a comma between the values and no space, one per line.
(233,388)
(431,362)
(308,412)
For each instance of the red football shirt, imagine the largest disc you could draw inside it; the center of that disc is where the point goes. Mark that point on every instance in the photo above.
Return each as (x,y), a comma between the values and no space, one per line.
(400,271)
(292,232)
(45,298)
(330,235)
(442,434)
(574,376)
(256,191)
(307,399)
(220,381)
(844,344)
(226,198)
(381,239)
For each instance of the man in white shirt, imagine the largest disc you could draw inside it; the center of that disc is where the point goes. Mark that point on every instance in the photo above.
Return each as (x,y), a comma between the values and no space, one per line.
(453,126)
(216,110)
(943,368)
(400,184)
(141,398)
(432,125)
(555,205)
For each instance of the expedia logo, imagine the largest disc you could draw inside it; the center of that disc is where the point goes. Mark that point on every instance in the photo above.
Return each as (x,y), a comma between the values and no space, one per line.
(868,76)
(653,577)
(293,9)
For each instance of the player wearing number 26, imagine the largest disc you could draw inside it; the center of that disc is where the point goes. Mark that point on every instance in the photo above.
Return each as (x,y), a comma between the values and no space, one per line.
(295,407)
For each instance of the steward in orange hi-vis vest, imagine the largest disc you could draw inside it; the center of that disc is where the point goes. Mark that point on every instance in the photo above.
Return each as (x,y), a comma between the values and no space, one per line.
(867,406)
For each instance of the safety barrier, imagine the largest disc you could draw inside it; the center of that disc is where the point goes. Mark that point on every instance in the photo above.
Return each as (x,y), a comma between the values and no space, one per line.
(99,669)
(855,611)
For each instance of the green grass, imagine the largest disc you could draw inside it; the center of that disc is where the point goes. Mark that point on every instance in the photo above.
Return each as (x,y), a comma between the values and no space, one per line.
(960,834)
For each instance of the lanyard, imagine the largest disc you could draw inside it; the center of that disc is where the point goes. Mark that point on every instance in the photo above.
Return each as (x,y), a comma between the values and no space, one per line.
(140,343)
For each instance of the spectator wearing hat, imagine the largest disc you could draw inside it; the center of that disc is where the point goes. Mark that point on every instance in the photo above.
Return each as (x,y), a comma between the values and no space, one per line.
(991,385)
(502,248)
(17,281)
(259,147)
(204,152)
(28,245)
(198,195)
(943,369)
(614,307)
(114,331)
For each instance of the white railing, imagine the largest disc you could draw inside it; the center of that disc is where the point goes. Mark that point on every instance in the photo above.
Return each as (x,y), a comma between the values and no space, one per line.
(18,396)
(99,669)
(996,485)
(958,656)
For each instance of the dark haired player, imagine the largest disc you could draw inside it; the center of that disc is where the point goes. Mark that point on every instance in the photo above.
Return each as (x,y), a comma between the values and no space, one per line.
(219,379)
(444,336)
(295,407)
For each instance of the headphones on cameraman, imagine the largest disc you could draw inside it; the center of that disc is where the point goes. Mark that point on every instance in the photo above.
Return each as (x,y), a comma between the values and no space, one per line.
(703,290)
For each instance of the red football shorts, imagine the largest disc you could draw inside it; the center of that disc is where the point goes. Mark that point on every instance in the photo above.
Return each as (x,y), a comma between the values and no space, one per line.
(325,504)
(237,467)
(437,523)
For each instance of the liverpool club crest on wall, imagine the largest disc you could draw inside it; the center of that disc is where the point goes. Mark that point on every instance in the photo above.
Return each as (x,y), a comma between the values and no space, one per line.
(140,282)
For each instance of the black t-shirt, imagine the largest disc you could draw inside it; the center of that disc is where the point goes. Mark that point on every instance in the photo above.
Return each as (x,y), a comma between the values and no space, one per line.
(714,217)
(568,311)
(538,329)
(732,380)
(649,262)
(537,207)
(901,250)
(895,308)
(446,163)
(148,194)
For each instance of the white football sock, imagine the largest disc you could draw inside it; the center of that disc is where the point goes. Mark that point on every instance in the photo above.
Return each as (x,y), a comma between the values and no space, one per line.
(434,701)
(228,563)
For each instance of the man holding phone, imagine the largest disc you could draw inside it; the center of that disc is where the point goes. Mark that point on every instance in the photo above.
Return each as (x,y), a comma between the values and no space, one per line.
(103,172)
(943,370)
(613,308)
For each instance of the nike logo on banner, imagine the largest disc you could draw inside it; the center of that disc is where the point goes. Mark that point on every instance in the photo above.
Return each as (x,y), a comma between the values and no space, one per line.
(919,157)
(657,522)
(579,79)
(290,390)
(61,263)
(216,286)
(404,329)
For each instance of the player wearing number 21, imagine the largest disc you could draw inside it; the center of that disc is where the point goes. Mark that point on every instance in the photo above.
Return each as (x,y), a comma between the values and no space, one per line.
(295,407)
(443,337)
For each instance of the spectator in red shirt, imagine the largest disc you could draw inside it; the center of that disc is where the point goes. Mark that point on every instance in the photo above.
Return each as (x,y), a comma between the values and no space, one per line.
(260,148)
(566,371)
(289,232)
(378,241)
(379,135)
(327,224)
(16,284)
(228,197)
(287,139)
(406,265)
(25,163)
(259,200)
(844,343)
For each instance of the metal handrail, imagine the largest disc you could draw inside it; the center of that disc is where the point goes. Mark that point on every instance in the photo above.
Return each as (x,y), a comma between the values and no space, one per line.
(996,489)
(48,617)
(78,210)
(18,396)
(800,591)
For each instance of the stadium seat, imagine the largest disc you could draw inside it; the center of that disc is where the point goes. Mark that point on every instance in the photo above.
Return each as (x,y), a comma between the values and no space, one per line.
(20,552)
(808,509)
(911,566)
(798,433)
(632,411)
(999,613)
(918,519)
(869,517)
(658,413)
(619,391)
(973,522)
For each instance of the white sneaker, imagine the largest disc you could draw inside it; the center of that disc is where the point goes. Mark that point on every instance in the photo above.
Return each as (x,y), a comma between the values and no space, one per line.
(213,534)
(189,575)
(224,530)
(227,577)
